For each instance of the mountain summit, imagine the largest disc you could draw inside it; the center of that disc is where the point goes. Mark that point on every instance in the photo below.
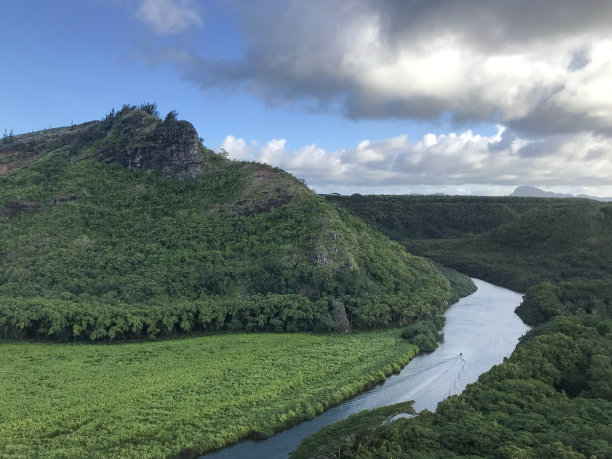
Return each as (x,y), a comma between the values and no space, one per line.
(131,137)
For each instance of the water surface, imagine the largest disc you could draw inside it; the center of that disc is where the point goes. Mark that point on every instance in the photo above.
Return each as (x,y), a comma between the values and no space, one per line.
(481,329)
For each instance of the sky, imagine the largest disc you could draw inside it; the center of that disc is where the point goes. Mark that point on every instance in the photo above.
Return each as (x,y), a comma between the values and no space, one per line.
(353,96)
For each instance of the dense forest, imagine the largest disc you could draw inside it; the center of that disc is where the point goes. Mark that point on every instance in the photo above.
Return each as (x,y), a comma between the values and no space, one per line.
(509,241)
(553,396)
(130,228)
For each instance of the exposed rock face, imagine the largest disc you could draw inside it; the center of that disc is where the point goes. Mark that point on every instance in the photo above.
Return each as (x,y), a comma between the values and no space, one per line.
(14,207)
(66,198)
(341,322)
(139,141)
(135,139)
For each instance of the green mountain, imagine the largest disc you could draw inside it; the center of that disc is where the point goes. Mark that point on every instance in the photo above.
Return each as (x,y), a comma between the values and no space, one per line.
(129,227)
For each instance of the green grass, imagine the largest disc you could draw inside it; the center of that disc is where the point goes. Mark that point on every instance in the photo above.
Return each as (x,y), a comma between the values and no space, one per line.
(156,399)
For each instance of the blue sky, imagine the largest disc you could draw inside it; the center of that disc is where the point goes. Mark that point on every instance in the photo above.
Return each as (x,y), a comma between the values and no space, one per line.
(362,96)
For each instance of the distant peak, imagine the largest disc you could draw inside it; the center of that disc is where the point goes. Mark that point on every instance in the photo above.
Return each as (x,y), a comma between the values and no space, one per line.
(534,192)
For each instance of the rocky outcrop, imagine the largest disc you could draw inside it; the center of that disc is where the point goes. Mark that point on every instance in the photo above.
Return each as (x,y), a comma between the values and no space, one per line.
(13,208)
(140,141)
(66,198)
(134,139)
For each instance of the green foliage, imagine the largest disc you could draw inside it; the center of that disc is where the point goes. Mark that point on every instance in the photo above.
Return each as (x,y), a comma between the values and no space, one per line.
(424,333)
(331,440)
(460,284)
(551,398)
(158,399)
(87,248)
(171,116)
(63,320)
(509,241)
(150,108)
(579,297)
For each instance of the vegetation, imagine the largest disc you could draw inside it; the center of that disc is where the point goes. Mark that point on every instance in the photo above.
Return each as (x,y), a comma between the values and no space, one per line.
(460,284)
(129,229)
(332,440)
(109,230)
(580,297)
(509,241)
(158,399)
(553,396)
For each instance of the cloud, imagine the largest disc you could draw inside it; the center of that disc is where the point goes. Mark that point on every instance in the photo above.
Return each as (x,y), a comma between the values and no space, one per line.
(168,17)
(538,67)
(453,162)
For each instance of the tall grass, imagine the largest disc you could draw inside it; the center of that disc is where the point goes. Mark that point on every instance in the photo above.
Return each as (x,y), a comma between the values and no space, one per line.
(158,399)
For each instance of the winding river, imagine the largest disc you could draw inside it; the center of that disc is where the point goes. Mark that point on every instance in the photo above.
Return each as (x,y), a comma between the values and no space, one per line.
(481,329)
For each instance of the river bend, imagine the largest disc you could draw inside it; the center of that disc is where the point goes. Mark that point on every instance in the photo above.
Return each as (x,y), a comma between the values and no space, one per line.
(481,329)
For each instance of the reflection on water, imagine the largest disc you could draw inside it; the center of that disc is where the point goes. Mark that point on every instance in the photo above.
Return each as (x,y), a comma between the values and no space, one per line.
(480,331)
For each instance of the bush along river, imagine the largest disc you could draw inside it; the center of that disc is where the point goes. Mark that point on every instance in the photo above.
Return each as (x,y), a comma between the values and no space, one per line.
(481,329)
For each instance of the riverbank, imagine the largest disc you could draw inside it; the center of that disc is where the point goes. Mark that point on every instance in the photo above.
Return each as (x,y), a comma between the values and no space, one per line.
(480,331)
(160,399)
(551,398)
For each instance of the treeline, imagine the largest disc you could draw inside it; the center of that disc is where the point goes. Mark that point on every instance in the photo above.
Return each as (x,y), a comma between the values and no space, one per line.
(62,320)
(431,217)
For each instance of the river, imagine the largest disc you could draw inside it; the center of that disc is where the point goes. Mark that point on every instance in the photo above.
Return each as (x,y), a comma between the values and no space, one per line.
(481,329)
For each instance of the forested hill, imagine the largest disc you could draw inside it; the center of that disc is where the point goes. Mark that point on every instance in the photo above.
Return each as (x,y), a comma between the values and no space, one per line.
(129,227)
(510,241)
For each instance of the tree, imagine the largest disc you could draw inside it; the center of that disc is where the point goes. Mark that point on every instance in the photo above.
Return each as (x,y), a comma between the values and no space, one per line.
(150,108)
(171,116)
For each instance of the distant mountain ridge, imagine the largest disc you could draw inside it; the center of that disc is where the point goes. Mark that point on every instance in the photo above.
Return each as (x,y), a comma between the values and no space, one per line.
(534,192)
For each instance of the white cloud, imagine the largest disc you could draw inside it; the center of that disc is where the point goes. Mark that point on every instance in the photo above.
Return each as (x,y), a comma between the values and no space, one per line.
(169,17)
(451,163)
(539,68)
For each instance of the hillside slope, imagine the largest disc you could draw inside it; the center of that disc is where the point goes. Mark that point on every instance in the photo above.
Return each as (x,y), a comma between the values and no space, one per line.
(514,242)
(129,227)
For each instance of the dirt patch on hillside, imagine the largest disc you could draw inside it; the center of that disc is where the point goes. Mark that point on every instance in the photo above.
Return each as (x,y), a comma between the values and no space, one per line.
(262,173)
(14,159)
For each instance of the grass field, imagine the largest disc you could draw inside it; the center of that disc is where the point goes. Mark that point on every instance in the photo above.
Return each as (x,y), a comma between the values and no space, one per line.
(158,399)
